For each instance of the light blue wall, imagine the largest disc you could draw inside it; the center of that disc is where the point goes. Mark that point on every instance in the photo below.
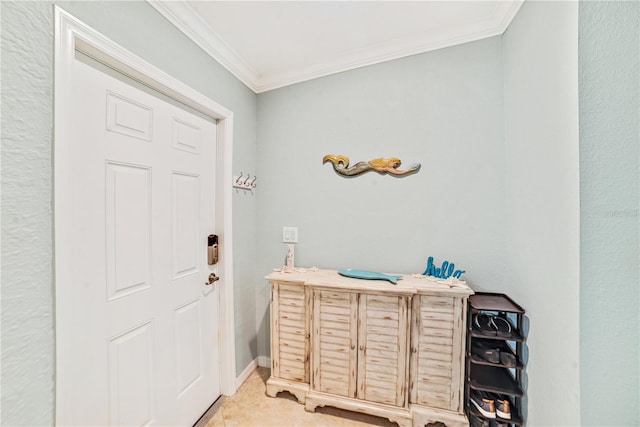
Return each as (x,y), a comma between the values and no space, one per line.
(609,78)
(542,195)
(27,335)
(442,109)
(27,214)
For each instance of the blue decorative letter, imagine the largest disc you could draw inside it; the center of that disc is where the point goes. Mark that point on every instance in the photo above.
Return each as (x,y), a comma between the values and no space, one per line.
(430,271)
(444,272)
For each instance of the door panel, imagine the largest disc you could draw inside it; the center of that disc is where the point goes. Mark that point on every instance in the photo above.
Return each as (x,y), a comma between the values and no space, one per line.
(291,350)
(435,385)
(131,377)
(128,229)
(335,337)
(129,117)
(186,136)
(188,345)
(186,241)
(382,357)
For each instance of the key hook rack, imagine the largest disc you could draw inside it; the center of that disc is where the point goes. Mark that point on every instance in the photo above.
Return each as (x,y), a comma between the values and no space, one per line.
(244,183)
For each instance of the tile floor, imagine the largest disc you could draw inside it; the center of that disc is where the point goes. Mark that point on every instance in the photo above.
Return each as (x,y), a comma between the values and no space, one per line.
(250,406)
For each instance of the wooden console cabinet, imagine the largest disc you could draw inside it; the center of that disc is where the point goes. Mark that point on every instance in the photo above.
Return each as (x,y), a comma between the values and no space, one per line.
(394,351)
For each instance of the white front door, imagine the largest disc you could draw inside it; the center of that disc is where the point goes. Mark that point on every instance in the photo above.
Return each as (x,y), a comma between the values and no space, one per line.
(140,335)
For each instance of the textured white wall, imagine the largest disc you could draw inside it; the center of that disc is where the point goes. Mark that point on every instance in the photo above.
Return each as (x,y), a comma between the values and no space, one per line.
(609,55)
(27,216)
(542,202)
(28,358)
(443,109)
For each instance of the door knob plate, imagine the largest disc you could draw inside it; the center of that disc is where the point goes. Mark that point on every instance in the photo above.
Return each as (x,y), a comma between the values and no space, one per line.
(212,278)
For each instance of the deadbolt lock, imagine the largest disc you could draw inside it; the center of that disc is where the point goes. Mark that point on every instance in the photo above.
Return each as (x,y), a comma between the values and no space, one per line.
(212,249)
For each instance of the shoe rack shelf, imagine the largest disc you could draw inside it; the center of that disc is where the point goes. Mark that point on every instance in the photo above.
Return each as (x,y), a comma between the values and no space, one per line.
(495,375)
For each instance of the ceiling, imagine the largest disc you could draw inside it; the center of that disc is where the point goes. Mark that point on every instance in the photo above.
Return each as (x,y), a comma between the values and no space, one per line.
(271,44)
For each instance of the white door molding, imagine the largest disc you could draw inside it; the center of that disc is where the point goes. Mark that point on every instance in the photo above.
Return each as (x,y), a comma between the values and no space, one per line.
(72,35)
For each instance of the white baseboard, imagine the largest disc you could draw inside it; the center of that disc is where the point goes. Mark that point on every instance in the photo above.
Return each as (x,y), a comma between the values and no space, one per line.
(246,372)
(264,361)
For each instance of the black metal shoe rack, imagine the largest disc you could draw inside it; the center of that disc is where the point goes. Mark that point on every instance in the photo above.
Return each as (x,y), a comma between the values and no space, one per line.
(482,375)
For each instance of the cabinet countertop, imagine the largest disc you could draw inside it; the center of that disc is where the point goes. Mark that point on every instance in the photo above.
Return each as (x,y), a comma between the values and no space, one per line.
(409,284)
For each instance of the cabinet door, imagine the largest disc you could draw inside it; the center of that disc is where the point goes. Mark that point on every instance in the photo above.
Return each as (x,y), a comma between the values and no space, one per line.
(437,352)
(382,349)
(335,337)
(290,332)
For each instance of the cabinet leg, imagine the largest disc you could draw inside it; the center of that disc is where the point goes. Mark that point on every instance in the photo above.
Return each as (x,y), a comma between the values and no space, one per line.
(276,385)
(300,395)
(310,406)
(272,391)
(402,422)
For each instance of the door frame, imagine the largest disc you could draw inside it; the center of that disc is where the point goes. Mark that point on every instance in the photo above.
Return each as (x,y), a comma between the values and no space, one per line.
(73,35)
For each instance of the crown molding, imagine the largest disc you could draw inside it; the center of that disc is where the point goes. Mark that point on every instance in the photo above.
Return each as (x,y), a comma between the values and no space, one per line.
(396,49)
(182,16)
(510,10)
(189,22)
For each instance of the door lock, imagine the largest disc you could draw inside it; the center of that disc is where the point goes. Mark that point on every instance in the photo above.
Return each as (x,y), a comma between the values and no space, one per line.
(212,249)
(212,278)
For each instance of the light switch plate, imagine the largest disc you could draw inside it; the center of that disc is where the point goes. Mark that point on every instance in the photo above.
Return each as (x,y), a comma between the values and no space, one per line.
(289,234)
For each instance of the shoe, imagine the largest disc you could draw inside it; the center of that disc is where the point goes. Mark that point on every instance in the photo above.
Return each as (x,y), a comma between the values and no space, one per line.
(494,352)
(507,358)
(484,403)
(486,351)
(503,407)
(478,422)
(482,323)
(501,325)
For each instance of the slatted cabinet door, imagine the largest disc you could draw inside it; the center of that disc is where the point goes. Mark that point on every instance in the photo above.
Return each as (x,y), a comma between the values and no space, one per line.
(290,344)
(335,335)
(382,349)
(436,352)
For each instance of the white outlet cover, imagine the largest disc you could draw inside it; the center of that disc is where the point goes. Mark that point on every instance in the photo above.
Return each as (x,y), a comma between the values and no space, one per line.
(289,234)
